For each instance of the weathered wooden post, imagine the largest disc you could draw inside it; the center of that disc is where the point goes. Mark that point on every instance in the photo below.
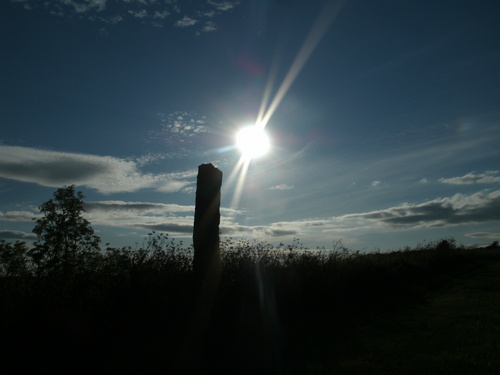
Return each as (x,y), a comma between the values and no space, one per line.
(206,261)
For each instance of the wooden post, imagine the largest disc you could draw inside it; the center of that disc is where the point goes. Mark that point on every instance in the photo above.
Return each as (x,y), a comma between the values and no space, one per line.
(206,261)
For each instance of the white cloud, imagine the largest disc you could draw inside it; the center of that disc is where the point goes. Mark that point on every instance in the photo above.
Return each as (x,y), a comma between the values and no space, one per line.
(223,5)
(488,177)
(162,217)
(181,132)
(260,232)
(82,6)
(155,11)
(139,13)
(17,216)
(185,22)
(281,187)
(376,183)
(209,27)
(163,14)
(208,14)
(170,218)
(440,212)
(103,173)
(481,207)
(174,185)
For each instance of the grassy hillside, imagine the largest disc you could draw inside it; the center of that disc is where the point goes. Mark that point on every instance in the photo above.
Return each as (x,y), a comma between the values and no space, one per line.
(434,309)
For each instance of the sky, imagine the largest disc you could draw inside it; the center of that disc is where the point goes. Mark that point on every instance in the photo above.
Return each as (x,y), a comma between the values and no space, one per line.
(383,117)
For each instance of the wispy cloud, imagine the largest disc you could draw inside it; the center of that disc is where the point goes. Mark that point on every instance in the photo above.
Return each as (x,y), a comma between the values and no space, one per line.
(181,131)
(185,22)
(171,218)
(488,177)
(179,126)
(484,235)
(161,14)
(139,13)
(16,235)
(459,209)
(103,173)
(17,216)
(78,6)
(144,207)
(481,207)
(260,232)
(223,5)
(175,219)
(209,27)
(166,227)
(281,187)
(157,12)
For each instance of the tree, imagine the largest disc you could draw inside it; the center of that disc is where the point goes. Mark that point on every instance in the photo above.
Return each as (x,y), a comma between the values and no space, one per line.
(62,231)
(13,259)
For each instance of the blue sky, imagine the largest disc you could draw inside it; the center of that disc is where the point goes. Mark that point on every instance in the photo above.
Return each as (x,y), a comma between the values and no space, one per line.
(384,117)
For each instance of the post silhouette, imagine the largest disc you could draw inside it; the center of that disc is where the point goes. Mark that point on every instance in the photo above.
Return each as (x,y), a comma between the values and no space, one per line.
(206,261)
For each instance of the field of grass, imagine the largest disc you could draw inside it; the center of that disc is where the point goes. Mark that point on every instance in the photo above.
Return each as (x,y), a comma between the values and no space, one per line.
(452,328)
(430,310)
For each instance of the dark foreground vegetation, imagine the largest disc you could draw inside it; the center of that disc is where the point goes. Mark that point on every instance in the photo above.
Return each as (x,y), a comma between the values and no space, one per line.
(274,310)
(68,307)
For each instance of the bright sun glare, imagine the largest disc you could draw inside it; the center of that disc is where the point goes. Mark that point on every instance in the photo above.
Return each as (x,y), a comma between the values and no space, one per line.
(252,142)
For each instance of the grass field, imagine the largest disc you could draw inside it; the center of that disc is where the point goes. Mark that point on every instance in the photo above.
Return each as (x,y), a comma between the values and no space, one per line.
(430,310)
(453,329)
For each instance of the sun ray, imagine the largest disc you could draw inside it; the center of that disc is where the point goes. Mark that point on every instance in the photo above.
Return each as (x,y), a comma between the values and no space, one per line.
(240,182)
(322,24)
(266,110)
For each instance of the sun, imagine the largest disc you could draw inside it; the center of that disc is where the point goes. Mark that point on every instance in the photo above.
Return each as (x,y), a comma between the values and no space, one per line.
(253,142)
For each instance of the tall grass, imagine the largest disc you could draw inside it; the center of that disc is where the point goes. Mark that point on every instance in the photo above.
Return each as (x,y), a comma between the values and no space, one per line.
(135,310)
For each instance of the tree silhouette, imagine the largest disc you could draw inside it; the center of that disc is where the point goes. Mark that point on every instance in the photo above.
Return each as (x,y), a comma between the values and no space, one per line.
(62,231)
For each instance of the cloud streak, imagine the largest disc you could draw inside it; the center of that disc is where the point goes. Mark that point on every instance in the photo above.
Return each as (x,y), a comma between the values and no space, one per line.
(104,173)
(144,207)
(175,219)
(259,232)
(17,235)
(171,218)
(459,209)
(484,235)
(17,216)
(488,177)
(281,187)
